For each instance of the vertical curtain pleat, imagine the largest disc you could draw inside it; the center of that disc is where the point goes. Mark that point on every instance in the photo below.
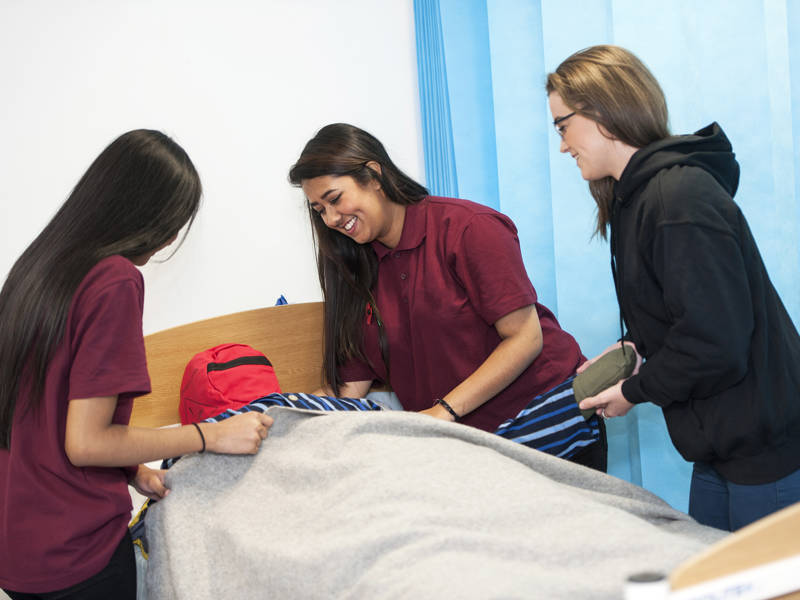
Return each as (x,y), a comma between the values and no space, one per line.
(437,132)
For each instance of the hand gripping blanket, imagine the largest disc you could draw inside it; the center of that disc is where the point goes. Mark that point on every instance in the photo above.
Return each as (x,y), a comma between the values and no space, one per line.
(400,505)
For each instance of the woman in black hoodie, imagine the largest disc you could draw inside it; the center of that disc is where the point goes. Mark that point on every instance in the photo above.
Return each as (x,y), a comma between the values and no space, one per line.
(721,353)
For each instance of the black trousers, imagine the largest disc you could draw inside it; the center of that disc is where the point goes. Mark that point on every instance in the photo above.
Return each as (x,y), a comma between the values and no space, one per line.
(595,456)
(117,580)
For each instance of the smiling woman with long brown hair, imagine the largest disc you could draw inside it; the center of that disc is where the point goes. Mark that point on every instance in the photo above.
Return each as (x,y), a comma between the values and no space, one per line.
(721,352)
(430,295)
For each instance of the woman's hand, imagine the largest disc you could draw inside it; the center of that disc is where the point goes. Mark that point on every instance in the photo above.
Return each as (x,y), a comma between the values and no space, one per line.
(608,403)
(150,482)
(240,434)
(439,412)
(614,346)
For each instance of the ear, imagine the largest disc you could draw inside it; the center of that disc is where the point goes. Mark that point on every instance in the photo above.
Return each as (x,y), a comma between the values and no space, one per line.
(376,167)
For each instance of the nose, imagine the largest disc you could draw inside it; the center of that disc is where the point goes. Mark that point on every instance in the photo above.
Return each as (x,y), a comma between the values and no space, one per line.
(331,217)
(563,147)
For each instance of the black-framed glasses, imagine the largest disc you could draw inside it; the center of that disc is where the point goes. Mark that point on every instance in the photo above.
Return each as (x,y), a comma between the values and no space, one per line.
(557,123)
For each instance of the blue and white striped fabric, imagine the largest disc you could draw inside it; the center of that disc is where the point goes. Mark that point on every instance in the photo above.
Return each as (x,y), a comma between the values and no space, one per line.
(296,400)
(552,423)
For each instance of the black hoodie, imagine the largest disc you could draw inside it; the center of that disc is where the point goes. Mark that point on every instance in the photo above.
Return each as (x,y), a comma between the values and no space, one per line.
(722,354)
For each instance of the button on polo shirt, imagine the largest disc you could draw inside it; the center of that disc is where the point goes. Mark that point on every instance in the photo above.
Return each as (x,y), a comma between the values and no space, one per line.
(455,271)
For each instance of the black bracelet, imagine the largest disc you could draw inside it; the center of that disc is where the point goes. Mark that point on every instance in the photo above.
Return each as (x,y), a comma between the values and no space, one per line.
(202,437)
(447,407)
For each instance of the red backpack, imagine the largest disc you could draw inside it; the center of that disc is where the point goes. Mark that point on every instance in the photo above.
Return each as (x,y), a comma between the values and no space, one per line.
(223,377)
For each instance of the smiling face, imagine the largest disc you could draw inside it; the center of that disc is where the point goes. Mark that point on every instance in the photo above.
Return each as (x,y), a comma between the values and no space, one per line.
(597,155)
(363,213)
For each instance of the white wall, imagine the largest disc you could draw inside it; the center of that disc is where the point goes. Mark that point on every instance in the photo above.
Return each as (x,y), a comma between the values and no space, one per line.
(242,85)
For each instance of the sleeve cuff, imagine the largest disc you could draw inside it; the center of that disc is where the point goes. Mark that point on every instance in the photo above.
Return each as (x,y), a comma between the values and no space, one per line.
(632,391)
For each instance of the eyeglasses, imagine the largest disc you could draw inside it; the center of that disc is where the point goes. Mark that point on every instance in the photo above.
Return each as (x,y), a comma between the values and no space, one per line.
(557,123)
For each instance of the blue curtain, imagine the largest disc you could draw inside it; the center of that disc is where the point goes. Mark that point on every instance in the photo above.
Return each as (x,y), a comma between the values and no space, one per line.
(437,130)
(734,62)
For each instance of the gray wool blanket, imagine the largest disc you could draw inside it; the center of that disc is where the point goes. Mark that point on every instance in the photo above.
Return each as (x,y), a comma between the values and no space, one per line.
(400,505)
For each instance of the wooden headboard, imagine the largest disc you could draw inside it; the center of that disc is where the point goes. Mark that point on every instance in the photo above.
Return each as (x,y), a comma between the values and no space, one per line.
(290,335)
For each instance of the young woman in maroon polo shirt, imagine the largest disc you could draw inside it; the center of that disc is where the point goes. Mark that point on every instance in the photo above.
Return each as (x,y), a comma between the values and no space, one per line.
(72,360)
(430,295)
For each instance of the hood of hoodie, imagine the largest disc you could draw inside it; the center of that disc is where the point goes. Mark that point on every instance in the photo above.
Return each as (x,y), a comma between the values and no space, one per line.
(708,148)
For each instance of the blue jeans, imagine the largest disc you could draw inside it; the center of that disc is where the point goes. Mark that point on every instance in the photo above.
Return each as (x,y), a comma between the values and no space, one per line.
(715,501)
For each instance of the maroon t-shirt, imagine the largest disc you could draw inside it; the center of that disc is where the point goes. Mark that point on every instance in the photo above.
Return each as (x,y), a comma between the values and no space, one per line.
(456,270)
(59,524)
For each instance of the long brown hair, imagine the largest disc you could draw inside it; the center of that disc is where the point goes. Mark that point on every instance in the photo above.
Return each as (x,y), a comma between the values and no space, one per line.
(348,270)
(135,197)
(611,86)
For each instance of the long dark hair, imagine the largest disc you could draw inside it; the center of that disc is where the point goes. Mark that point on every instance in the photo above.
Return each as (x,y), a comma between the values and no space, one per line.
(348,270)
(133,199)
(611,86)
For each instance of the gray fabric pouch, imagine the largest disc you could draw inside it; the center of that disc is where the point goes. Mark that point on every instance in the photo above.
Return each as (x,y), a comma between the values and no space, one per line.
(602,374)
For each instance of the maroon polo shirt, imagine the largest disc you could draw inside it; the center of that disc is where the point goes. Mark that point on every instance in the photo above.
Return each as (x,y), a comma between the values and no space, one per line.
(60,524)
(456,270)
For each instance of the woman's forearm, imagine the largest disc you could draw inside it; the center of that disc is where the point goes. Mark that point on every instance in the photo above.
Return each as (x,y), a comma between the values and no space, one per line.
(91,439)
(120,445)
(521,344)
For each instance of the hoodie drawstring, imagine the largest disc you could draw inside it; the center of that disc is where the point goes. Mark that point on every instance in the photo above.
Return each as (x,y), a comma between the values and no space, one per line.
(617,286)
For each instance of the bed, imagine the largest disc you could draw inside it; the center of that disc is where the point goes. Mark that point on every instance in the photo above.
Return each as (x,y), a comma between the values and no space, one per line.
(397,505)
